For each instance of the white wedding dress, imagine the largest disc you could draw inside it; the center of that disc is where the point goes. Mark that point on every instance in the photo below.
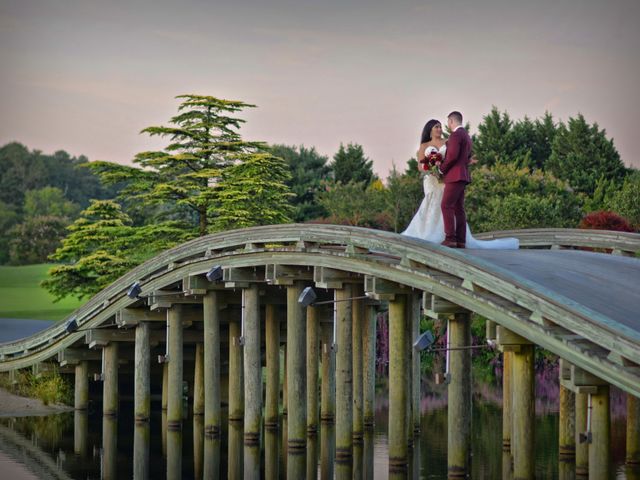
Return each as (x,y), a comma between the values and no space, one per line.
(428,224)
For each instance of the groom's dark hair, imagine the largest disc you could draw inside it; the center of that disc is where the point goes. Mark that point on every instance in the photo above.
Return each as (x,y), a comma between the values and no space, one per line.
(455,115)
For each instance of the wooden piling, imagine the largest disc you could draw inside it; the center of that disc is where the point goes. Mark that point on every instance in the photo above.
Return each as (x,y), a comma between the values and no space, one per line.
(142,374)
(81,392)
(252,372)
(344,379)
(567,423)
(582,448)
(633,431)
(174,449)
(416,301)
(369,366)
(398,373)
(110,380)
(522,443)
(141,442)
(507,397)
(165,386)
(357,322)
(313,342)
(212,365)
(80,432)
(109,447)
(198,381)
(236,389)
(459,397)
(328,388)
(600,446)
(175,375)
(272,346)
(296,376)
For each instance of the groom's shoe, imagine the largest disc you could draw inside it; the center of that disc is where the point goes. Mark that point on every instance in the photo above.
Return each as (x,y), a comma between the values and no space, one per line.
(461,245)
(449,243)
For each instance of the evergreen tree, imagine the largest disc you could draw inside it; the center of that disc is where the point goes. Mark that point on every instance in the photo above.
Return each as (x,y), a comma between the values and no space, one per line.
(405,193)
(253,192)
(582,155)
(626,200)
(203,141)
(350,165)
(494,142)
(309,171)
(102,246)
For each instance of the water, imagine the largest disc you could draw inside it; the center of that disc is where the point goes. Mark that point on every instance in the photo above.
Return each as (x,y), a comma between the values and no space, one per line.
(80,445)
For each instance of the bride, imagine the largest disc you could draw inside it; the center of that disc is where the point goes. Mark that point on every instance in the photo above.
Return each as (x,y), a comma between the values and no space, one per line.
(427,224)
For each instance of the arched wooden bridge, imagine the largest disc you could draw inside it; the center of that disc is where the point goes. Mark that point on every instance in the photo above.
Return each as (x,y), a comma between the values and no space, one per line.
(580,305)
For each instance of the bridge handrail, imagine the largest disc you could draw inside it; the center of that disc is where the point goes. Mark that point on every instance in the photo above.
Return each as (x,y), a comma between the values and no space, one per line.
(511,286)
(620,242)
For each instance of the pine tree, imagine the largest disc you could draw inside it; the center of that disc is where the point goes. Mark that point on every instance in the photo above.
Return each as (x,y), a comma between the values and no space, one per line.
(203,142)
(253,192)
(350,165)
(582,155)
(494,142)
(309,171)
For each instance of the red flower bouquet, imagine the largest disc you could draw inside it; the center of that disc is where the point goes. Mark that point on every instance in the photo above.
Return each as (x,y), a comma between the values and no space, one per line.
(431,164)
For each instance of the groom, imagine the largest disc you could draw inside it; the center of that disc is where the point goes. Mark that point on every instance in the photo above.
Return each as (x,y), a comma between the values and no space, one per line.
(455,175)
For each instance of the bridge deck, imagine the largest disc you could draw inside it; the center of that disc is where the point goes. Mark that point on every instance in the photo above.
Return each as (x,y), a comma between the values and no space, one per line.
(606,284)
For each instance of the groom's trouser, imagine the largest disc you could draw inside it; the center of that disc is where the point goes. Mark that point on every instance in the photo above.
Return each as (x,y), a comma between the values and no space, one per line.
(455,220)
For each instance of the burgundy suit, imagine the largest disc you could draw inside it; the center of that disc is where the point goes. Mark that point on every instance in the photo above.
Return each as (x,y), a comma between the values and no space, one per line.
(455,173)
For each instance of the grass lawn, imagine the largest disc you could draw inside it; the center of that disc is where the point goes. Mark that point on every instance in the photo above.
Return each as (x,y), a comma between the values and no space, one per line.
(22,297)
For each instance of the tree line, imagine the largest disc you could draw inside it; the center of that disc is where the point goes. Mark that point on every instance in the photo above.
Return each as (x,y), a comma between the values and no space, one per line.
(99,219)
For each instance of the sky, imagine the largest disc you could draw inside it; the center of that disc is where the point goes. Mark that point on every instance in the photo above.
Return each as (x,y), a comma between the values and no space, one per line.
(87,76)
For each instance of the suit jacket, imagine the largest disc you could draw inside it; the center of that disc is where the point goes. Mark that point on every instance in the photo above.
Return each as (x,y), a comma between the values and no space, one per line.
(454,168)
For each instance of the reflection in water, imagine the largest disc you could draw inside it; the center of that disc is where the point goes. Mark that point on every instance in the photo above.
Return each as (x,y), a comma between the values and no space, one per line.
(235,451)
(344,470)
(252,461)
(507,465)
(174,454)
(80,432)
(88,446)
(109,447)
(358,456)
(312,456)
(327,450)
(296,464)
(414,458)
(198,445)
(271,459)
(141,439)
(211,467)
(567,470)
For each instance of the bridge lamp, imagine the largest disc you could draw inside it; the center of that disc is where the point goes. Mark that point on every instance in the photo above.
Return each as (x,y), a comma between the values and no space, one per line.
(134,290)
(307,297)
(71,325)
(215,274)
(424,341)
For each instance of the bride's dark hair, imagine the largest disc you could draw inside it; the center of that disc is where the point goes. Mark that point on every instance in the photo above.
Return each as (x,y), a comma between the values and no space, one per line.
(426,131)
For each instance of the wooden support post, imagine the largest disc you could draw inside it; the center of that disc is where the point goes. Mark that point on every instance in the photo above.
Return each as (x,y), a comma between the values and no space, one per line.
(507,397)
(344,376)
(174,404)
(285,395)
(567,424)
(80,432)
(600,446)
(313,342)
(357,322)
(110,380)
(398,372)
(582,448)
(522,444)
(198,381)
(633,431)
(236,390)
(459,394)
(142,375)
(81,392)
(272,345)
(328,393)
(252,372)
(212,364)
(369,366)
(109,447)
(296,380)
(416,301)
(165,386)
(141,442)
